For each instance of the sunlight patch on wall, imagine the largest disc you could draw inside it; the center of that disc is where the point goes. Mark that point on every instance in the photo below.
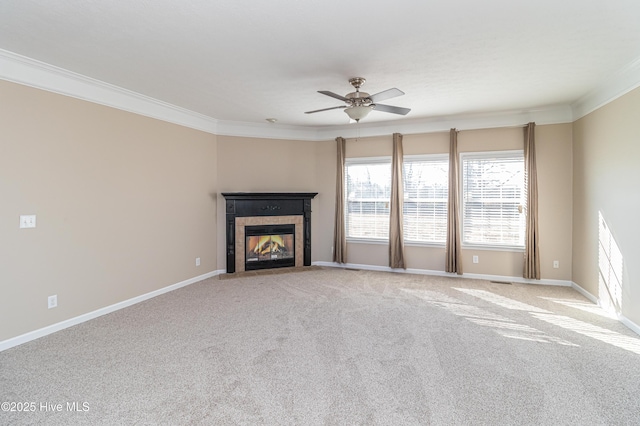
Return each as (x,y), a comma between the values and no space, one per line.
(610,265)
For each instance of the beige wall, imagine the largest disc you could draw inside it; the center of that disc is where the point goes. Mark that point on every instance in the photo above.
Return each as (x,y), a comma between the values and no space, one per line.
(325,203)
(555,204)
(272,165)
(606,175)
(124,205)
(554,162)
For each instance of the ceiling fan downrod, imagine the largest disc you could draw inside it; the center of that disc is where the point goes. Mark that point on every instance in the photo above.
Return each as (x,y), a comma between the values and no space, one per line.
(357,82)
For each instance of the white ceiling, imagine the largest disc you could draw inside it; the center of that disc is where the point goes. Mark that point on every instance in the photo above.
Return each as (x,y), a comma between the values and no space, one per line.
(245,61)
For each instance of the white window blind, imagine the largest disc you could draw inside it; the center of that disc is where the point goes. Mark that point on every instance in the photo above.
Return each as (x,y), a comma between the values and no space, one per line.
(493,199)
(368,193)
(426,183)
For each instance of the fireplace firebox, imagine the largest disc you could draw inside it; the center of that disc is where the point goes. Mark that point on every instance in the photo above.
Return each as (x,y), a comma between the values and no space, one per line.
(247,211)
(269,246)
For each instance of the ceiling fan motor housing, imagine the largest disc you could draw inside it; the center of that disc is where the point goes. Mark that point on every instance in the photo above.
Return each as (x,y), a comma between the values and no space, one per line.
(358,98)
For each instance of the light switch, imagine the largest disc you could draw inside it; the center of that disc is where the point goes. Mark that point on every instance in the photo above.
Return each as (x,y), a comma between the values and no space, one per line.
(28,221)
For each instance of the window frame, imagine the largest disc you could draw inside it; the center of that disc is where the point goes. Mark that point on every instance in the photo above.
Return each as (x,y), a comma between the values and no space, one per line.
(425,158)
(362,161)
(489,155)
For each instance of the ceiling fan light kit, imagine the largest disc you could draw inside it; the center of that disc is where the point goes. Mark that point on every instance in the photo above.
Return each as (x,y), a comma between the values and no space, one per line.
(359,104)
(358,112)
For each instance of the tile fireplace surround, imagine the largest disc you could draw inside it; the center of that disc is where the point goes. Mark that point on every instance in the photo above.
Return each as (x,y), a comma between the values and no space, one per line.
(267,208)
(240,241)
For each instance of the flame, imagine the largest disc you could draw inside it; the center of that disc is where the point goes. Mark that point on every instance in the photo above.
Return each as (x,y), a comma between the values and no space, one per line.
(269,243)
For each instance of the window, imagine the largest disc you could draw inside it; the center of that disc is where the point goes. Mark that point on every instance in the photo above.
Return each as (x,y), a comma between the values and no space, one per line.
(368,193)
(493,199)
(426,181)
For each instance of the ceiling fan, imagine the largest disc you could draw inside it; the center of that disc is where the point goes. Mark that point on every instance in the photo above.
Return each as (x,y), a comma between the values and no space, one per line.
(359,104)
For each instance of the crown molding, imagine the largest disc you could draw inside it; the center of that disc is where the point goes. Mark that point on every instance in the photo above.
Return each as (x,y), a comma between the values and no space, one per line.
(266,130)
(30,72)
(619,84)
(541,116)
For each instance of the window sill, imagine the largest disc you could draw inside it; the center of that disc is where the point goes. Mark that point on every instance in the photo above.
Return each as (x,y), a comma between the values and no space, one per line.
(385,242)
(421,244)
(487,247)
(367,241)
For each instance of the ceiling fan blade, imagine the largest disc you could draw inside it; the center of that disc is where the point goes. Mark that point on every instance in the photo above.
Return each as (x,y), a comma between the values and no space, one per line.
(333,95)
(387,94)
(391,109)
(325,109)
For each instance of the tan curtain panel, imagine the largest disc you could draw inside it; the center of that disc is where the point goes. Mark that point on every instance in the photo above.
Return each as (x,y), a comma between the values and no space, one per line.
(339,237)
(531,253)
(396,243)
(452,248)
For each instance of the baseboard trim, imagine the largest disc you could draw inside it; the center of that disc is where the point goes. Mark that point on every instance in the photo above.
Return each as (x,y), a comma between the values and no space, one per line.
(624,320)
(630,324)
(519,280)
(585,293)
(36,334)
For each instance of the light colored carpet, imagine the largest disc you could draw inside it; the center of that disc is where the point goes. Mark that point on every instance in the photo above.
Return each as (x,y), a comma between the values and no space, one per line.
(336,347)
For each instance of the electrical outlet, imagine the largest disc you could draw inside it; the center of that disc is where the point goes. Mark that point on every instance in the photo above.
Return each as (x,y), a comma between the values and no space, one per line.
(28,221)
(197,261)
(52,301)
(475,259)
(556,264)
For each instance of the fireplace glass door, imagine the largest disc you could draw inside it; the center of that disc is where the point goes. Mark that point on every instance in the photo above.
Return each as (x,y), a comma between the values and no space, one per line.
(271,246)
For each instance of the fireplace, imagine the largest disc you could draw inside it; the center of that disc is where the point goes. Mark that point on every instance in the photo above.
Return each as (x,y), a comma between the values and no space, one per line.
(269,246)
(284,219)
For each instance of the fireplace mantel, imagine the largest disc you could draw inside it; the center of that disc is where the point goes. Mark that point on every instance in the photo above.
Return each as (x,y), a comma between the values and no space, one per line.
(268,195)
(254,204)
